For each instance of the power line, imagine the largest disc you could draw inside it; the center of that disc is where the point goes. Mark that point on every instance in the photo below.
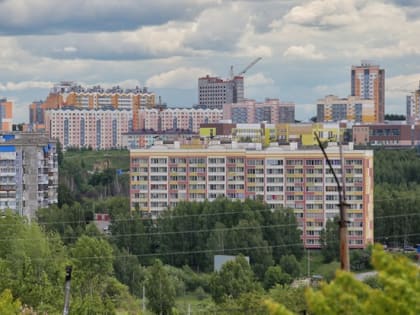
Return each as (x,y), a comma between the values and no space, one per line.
(233,228)
(201,251)
(169,216)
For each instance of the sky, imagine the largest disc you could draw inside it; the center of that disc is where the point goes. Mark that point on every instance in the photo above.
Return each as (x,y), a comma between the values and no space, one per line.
(307,47)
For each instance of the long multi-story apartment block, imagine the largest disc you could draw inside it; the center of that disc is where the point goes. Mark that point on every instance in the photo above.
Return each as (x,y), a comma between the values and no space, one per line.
(139,139)
(70,94)
(392,134)
(413,106)
(249,111)
(368,82)
(94,128)
(177,118)
(281,176)
(332,108)
(6,115)
(213,92)
(28,172)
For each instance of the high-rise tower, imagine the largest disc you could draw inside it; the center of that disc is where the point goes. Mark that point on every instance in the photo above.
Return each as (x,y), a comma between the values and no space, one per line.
(368,82)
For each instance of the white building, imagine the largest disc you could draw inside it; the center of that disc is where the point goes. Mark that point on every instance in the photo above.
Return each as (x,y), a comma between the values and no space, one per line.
(83,128)
(28,172)
(177,118)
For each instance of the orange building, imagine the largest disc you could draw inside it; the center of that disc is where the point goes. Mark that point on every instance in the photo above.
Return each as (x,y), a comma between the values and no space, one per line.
(6,115)
(368,82)
(70,94)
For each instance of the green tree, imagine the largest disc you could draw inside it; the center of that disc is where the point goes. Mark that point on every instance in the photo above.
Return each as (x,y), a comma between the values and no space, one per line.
(275,275)
(329,239)
(399,294)
(290,265)
(160,290)
(234,278)
(293,298)
(8,306)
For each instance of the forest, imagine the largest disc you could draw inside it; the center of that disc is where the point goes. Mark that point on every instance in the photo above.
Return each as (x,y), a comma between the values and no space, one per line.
(170,260)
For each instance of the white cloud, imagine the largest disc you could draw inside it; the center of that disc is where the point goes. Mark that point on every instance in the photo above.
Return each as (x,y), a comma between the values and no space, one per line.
(182,78)
(258,79)
(308,51)
(324,13)
(70,49)
(24,85)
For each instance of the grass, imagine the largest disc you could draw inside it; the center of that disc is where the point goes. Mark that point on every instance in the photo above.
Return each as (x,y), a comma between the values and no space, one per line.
(317,266)
(119,159)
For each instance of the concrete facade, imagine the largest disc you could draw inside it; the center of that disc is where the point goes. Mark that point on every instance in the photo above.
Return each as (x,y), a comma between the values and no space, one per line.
(213,92)
(271,111)
(177,118)
(84,128)
(333,109)
(368,82)
(164,175)
(29,172)
(6,115)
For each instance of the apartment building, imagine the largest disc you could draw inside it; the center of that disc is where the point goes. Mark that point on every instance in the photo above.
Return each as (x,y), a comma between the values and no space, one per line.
(413,106)
(281,176)
(177,118)
(213,92)
(368,82)
(83,128)
(272,111)
(71,94)
(139,139)
(28,172)
(390,134)
(6,115)
(332,108)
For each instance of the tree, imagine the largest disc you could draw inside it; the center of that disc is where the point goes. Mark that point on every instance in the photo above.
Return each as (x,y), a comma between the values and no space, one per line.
(329,239)
(234,278)
(8,306)
(160,290)
(399,294)
(293,298)
(290,265)
(275,275)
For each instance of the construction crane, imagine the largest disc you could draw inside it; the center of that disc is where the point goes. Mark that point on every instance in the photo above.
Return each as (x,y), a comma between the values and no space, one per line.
(244,70)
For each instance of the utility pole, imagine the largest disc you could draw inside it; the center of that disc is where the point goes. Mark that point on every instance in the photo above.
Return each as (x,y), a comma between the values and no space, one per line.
(143,300)
(67,293)
(344,246)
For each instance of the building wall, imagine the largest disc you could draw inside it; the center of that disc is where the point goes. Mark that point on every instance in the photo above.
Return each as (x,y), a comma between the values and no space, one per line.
(98,129)
(70,94)
(29,173)
(331,109)
(368,82)
(162,176)
(213,92)
(413,106)
(6,115)
(177,118)
(249,111)
(392,135)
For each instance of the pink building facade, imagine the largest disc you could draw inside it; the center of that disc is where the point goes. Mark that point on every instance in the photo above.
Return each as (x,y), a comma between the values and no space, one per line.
(83,128)
(272,111)
(177,118)
(164,175)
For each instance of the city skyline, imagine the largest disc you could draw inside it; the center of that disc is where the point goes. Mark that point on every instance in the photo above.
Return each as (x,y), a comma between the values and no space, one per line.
(308,47)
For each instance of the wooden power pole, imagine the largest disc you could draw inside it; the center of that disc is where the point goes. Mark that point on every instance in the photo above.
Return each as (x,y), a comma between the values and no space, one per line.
(344,245)
(67,293)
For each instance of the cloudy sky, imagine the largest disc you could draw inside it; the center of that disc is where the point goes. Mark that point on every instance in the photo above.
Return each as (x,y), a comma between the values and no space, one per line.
(307,46)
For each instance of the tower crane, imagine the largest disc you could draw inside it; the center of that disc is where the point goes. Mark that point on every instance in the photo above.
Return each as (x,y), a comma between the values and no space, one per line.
(245,69)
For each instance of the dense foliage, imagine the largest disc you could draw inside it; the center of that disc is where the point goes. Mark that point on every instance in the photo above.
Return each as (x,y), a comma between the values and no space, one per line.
(112,269)
(397,195)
